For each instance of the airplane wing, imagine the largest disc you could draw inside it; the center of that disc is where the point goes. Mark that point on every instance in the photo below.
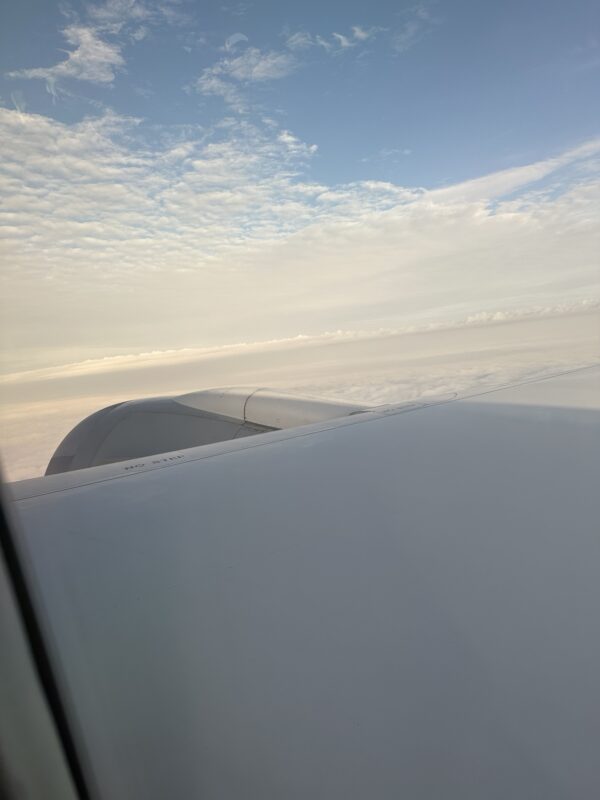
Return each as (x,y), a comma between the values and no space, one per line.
(397,603)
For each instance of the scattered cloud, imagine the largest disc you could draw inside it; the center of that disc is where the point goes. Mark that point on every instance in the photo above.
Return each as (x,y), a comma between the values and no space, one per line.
(18,100)
(229,75)
(364,34)
(343,41)
(91,59)
(301,40)
(237,10)
(389,153)
(172,13)
(145,91)
(112,15)
(335,43)
(139,34)
(295,145)
(96,53)
(418,22)
(255,65)
(326,44)
(232,41)
(211,83)
(192,40)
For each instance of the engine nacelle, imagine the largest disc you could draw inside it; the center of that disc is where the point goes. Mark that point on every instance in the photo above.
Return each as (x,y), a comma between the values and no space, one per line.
(146,427)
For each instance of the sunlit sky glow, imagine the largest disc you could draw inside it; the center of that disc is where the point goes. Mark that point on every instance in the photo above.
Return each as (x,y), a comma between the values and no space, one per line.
(180,174)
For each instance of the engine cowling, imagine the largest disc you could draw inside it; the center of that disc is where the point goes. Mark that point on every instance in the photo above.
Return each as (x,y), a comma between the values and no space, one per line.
(145,427)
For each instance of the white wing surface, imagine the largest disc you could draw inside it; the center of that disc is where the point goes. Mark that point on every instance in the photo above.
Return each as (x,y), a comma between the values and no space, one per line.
(398,604)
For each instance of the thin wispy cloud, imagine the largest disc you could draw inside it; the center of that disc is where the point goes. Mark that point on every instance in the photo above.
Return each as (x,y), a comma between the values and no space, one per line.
(392,154)
(256,65)
(115,16)
(112,15)
(212,83)
(300,40)
(333,43)
(229,75)
(97,44)
(237,9)
(234,40)
(505,182)
(417,23)
(364,34)
(91,59)
(139,34)
(343,41)
(18,100)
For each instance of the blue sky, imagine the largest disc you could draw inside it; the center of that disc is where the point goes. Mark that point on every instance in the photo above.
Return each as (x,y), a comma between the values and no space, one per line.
(420,94)
(206,173)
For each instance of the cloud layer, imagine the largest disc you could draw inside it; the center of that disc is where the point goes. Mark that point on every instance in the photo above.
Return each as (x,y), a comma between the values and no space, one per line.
(40,408)
(189,235)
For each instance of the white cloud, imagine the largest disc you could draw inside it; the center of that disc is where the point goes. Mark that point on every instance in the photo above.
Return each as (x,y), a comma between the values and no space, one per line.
(92,59)
(139,34)
(418,22)
(256,65)
(232,41)
(113,16)
(301,40)
(237,10)
(253,66)
(111,11)
(343,41)
(506,181)
(407,36)
(328,46)
(211,83)
(387,153)
(363,34)
(338,42)
(18,100)
(97,46)
(178,243)
(129,362)
(295,145)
